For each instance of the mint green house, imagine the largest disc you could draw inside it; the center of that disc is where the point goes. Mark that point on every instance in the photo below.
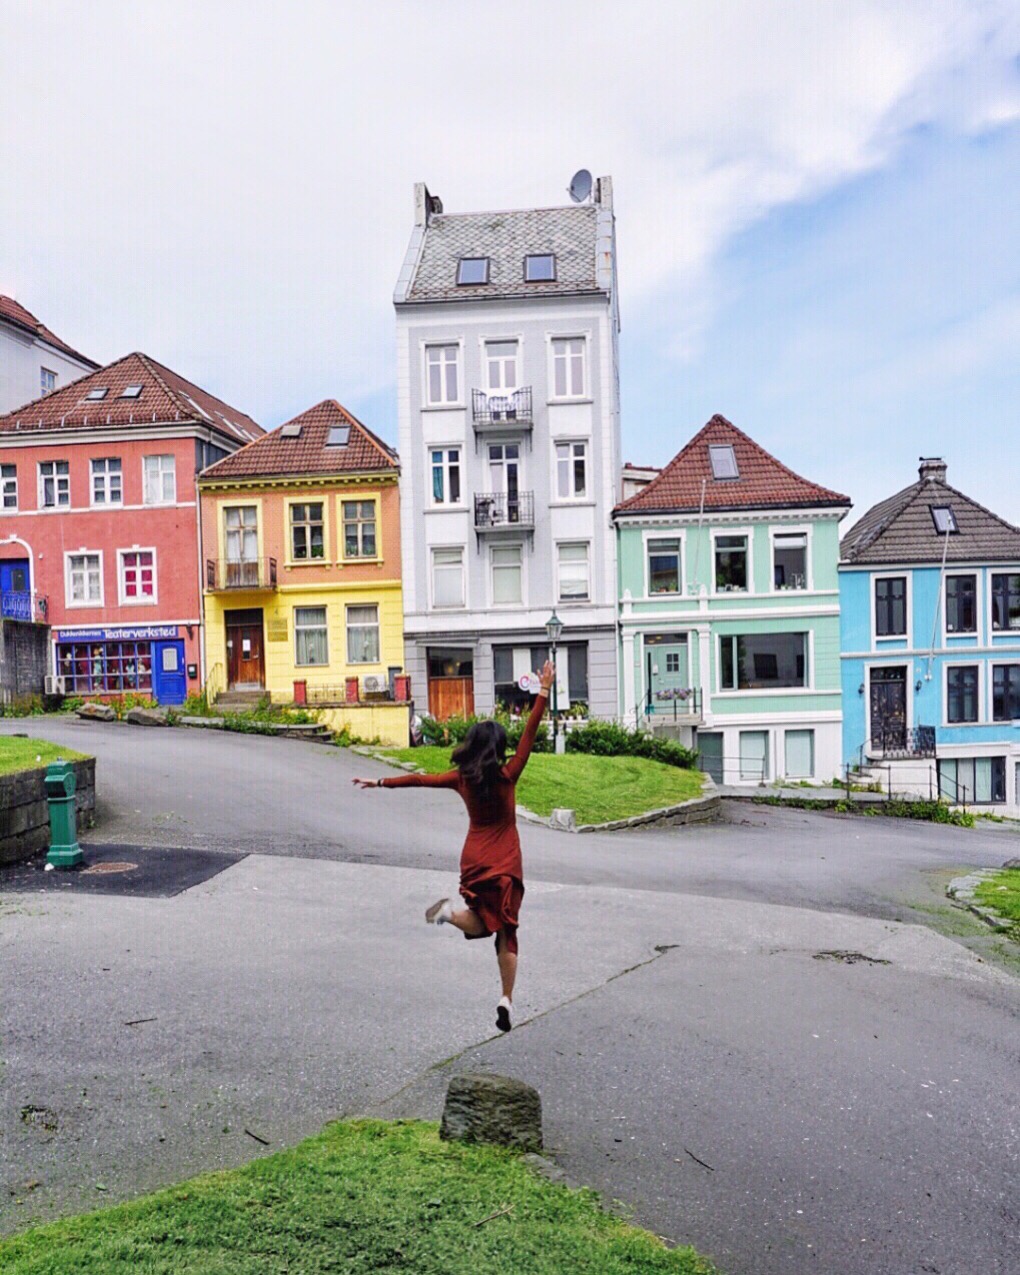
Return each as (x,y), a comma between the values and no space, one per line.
(729,610)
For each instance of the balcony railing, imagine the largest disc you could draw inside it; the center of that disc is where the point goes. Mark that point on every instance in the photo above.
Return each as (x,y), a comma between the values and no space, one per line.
(253,575)
(16,604)
(502,409)
(900,742)
(497,511)
(674,704)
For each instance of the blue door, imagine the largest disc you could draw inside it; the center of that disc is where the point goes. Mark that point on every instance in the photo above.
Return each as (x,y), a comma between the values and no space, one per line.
(168,672)
(15,598)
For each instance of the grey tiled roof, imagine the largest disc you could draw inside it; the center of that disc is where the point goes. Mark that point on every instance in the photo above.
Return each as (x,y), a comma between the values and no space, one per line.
(901,530)
(506,238)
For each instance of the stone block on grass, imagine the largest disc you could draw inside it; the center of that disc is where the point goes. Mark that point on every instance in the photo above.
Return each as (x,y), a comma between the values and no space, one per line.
(146,717)
(96,712)
(494,1109)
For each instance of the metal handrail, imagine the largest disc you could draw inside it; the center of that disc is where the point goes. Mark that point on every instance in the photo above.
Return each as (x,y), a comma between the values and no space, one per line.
(690,702)
(497,510)
(16,604)
(914,741)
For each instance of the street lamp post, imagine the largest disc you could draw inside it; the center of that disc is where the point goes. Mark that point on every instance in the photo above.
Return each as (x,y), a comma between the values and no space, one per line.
(553,631)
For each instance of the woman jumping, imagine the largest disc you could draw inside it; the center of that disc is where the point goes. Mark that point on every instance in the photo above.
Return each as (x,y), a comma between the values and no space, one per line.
(491,874)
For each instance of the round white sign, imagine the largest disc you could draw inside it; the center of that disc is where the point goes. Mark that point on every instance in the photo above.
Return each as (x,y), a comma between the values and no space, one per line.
(528,682)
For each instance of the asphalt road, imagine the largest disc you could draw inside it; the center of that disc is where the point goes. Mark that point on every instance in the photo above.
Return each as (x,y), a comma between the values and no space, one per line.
(857,1119)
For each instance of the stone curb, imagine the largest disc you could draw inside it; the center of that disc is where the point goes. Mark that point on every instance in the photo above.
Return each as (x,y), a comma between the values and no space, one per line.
(962,890)
(695,810)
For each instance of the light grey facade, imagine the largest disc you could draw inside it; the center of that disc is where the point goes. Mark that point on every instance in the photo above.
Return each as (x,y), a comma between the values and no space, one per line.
(509,433)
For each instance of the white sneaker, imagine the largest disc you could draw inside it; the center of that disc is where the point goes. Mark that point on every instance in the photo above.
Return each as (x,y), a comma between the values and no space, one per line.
(440,913)
(503,1014)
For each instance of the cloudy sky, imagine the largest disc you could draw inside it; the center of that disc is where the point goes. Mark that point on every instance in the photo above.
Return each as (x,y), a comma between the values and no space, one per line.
(816,202)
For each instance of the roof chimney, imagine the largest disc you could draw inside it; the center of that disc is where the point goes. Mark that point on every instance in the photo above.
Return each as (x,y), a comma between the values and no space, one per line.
(932,469)
(425,204)
(604,192)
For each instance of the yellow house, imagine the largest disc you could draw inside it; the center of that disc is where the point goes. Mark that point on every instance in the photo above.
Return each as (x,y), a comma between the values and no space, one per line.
(301,573)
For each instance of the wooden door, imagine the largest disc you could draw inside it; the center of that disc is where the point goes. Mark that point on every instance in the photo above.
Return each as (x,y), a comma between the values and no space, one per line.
(889,708)
(451,697)
(245,669)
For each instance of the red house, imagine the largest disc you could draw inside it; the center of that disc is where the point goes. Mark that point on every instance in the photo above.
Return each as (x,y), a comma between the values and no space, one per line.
(99,524)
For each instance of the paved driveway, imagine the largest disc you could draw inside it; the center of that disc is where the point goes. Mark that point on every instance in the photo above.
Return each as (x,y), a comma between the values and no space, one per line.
(855,1117)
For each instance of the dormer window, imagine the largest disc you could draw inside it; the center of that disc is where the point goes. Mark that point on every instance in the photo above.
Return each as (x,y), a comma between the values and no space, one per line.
(472,270)
(724,461)
(93,396)
(944,519)
(540,268)
(339,436)
(130,391)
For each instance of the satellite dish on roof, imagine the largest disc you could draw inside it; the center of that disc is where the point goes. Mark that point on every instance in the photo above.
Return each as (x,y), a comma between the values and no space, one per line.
(580,186)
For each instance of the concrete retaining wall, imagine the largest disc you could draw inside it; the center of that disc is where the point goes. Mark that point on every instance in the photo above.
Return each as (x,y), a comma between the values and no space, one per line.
(24,812)
(389,723)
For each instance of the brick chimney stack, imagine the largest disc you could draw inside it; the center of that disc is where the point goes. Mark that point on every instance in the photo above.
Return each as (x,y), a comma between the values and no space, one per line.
(932,469)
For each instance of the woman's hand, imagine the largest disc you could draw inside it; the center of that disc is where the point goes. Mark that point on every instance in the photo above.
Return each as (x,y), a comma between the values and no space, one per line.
(366,783)
(547,676)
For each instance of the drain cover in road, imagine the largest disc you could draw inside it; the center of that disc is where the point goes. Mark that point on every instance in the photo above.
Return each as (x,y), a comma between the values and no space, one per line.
(147,871)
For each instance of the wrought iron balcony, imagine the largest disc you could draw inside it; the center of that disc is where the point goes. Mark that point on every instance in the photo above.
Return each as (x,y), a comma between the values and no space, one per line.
(502,409)
(16,604)
(899,742)
(496,511)
(673,704)
(254,575)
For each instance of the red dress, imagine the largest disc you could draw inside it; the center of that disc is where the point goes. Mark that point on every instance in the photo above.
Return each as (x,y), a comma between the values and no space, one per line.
(491,873)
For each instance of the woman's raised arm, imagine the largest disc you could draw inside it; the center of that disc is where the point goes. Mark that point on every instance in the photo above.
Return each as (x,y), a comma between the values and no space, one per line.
(520,758)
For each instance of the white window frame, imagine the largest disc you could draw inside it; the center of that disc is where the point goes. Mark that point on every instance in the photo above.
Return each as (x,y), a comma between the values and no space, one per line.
(997,636)
(301,628)
(774,534)
(105,475)
(445,448)
(448,606)
(160,456)
(359,522)
(88,604)
(8,488)
(493,550)
(573,498)
(46,371)
(748,534)
(878,642)
(558,565)
(443,402)
(991,665)
(971,634)
(57,479)
(501,390)
(122,596)
(555,339)
(984,710)
(378,633)
(809,671)
(663,533)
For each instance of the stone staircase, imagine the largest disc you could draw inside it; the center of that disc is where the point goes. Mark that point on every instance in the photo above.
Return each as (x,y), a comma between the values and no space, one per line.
(238,701)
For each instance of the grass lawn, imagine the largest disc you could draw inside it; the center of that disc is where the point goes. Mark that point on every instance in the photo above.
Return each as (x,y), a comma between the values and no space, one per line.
(1001,893)
(29,754)
(598,789)
(363,1196)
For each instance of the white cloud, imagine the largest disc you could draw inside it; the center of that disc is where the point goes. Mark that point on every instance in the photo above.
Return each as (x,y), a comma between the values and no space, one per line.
(228,186)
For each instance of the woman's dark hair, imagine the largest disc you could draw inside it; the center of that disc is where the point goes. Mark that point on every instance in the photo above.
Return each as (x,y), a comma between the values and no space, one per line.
(482,754)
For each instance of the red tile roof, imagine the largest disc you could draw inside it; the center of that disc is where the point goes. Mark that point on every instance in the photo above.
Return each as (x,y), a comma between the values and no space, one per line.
(764,482)
(12,311)
(165,397)
(277,455)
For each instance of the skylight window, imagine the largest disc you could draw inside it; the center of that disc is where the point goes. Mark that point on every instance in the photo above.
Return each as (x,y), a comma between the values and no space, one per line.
(131,391)
(944,519)
(95,395)
(724,461)
(540,268)
(473,270)
(339,436)
(290,431)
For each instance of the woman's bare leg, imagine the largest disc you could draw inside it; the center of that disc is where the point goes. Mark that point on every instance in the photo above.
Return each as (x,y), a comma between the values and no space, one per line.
(507,965)
(466,920)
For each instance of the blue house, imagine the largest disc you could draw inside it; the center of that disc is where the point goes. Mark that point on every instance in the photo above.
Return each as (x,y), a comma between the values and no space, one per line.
(929,587)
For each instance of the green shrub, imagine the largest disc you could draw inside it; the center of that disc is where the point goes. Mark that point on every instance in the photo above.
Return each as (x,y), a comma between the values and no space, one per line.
(610,739)
(453,731)
(24,706)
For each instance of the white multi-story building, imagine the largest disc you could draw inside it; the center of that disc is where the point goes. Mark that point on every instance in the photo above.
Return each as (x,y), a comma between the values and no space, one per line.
(508,392)
(33,361)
